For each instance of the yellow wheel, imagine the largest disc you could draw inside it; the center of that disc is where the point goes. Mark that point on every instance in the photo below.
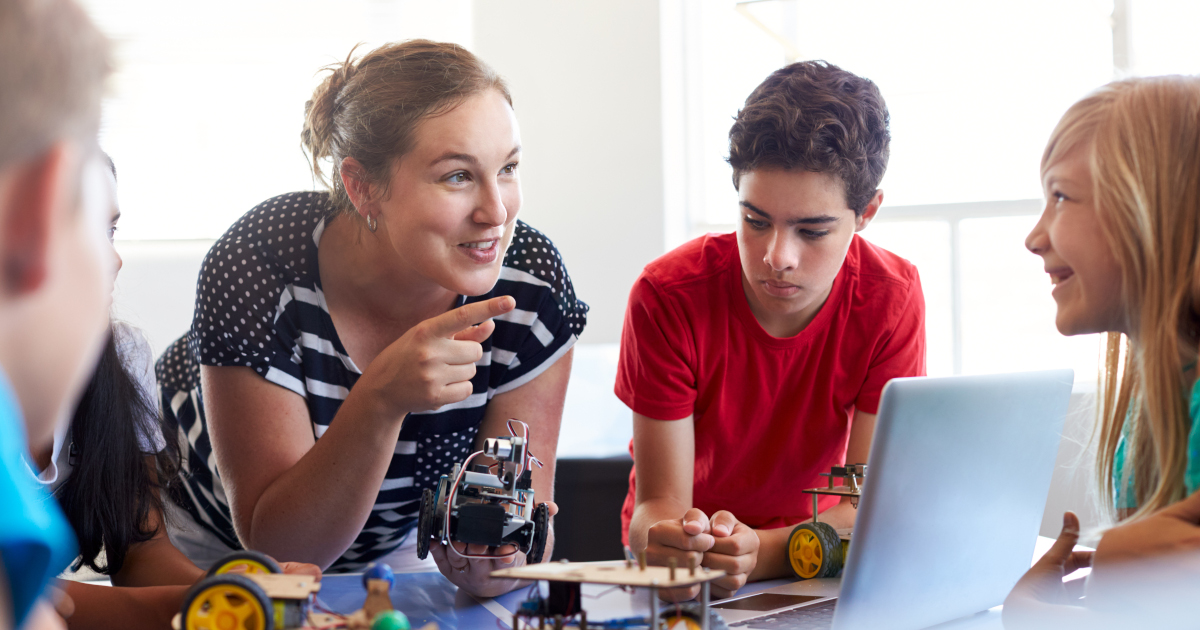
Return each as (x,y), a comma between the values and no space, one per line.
(681,622)
(815,551)
(684,619)
(227,602)
(245,561)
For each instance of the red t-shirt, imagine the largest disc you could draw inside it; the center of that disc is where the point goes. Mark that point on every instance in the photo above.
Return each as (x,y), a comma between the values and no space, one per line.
(770,413)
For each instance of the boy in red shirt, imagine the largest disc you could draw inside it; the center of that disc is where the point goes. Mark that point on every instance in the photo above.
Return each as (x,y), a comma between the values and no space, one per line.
(754,361)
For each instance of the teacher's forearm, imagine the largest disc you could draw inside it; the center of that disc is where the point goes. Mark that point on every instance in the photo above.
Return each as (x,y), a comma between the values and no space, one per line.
(314,511)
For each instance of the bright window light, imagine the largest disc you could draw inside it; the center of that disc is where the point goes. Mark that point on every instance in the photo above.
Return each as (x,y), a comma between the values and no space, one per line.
(204,115)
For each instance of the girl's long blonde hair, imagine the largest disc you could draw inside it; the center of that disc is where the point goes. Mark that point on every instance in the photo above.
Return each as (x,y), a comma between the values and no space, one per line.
(1145,163)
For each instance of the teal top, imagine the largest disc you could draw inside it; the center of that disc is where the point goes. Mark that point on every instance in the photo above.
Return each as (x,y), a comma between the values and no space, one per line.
(1123,492)
(36,543)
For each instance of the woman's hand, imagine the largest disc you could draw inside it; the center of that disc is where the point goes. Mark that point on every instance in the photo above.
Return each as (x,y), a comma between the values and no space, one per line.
(475,575)
(289,568)
(433,363)
(301,568)
(1041,599)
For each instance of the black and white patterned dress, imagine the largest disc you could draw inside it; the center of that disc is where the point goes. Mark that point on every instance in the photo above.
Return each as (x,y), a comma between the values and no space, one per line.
(259,304)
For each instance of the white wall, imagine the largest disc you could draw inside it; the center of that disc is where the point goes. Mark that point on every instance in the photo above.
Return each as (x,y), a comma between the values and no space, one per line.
(156,288)
(1073,486)
(585,84)
(588,85)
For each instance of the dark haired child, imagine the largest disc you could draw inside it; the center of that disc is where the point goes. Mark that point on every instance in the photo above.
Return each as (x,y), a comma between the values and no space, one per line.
(754,361)
(105,467)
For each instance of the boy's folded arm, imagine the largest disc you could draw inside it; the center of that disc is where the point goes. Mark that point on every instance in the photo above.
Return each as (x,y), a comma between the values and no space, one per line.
(665,456)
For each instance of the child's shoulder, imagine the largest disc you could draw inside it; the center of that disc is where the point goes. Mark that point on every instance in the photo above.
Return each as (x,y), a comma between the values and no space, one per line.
(877,266)
(696,262)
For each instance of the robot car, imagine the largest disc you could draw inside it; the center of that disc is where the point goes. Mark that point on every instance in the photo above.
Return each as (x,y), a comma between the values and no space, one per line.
(487,505)
(817,550)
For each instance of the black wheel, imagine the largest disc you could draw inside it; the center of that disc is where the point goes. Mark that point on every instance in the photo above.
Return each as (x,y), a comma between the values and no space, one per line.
(245,561)
(227,602)
(541,530)
(425,520)
(815,551)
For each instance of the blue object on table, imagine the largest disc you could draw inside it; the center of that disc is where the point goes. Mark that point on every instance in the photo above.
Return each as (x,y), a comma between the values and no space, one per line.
(426,597)
(422,597)
(379,571)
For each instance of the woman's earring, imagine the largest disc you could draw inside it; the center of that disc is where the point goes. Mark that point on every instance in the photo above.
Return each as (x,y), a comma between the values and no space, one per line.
(372,224)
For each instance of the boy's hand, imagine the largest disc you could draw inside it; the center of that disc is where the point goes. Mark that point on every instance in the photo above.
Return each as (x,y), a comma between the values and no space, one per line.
(685,539)
(734,551)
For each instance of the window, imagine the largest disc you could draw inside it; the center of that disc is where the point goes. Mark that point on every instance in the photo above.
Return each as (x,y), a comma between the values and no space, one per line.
(974,90)
(205,110)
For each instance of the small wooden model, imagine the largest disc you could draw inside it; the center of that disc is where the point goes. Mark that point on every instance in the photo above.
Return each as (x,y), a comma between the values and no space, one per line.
(817,550)
(563,608)
(247,590)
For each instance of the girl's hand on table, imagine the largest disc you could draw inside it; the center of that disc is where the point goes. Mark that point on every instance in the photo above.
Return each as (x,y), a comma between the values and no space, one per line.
(433,363)
(1040,596)
(1147,568)
(474,575)
(1172,530)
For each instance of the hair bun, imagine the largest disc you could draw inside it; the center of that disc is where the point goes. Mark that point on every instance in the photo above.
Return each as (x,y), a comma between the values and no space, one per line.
(319,111)
(368,108)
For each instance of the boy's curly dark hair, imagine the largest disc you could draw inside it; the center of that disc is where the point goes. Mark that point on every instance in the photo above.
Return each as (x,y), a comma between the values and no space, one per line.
(813,115)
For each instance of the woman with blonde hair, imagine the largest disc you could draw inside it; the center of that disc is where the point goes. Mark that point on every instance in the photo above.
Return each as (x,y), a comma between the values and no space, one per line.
(1120,237)
(351,345)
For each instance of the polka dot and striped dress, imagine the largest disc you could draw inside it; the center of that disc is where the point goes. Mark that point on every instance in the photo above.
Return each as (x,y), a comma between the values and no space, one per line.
(259,304)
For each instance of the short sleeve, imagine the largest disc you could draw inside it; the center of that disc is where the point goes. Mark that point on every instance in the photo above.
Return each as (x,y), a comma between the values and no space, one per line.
(655,373)
(251,284)
(36,543)
(902,351)
(548,317)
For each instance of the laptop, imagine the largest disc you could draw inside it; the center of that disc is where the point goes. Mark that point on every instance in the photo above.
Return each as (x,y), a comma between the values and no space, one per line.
(951,506)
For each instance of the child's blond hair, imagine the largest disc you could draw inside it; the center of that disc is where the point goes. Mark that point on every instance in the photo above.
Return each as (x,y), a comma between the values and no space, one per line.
(1144,141)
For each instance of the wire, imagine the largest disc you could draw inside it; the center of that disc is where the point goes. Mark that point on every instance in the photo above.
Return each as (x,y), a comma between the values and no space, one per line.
(322,607)
(450,506)
(526,460)
(606,591)
(529,457)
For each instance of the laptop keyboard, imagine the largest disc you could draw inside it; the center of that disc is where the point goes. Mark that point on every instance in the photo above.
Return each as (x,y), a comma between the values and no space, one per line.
(816,617)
